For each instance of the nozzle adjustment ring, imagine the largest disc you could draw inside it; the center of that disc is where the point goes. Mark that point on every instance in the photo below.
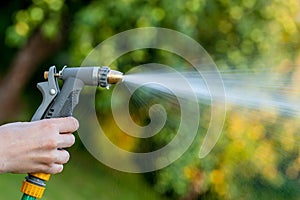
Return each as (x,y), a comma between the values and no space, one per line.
(103,76)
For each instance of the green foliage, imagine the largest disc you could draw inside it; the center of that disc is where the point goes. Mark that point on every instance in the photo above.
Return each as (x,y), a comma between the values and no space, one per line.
(46,15)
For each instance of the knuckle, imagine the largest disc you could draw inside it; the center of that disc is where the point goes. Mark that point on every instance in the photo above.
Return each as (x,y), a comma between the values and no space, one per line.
(50,158)
(48,125)
(44,169)
(51,143)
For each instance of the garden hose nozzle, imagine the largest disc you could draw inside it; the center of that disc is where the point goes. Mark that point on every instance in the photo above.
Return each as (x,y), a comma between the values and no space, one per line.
(61,103)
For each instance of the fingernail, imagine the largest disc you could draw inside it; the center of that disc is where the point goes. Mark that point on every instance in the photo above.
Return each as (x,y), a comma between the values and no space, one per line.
(76,123)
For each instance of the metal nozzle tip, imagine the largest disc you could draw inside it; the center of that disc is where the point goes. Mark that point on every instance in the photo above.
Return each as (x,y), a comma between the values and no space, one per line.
(114,76)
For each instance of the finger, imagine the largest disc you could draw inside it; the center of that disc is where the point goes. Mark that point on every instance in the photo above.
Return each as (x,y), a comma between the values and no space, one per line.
(54,169)
(62,156)
(65,125)
(65,140)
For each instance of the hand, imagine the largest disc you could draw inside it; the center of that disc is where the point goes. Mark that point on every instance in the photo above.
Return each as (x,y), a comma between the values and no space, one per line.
(33,147)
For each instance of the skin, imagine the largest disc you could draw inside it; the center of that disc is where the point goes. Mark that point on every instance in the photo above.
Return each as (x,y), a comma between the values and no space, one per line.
(30,147)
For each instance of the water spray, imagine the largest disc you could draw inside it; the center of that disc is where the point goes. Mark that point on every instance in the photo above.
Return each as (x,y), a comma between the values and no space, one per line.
(61,103)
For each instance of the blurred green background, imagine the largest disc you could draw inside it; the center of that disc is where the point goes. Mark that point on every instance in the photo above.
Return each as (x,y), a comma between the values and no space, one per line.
(257,156)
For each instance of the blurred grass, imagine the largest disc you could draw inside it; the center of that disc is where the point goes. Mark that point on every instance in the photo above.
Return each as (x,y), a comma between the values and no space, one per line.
(84,178)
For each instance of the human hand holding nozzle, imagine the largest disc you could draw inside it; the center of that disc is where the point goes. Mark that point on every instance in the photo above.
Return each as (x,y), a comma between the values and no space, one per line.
(36,146)
(60,103)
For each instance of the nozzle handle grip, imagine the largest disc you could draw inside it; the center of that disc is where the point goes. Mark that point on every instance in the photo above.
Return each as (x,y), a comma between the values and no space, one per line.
(62,106)
(65,102)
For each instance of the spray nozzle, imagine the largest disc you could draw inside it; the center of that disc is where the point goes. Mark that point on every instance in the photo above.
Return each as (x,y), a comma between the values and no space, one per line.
(102,76)
(107,76)
(114,77)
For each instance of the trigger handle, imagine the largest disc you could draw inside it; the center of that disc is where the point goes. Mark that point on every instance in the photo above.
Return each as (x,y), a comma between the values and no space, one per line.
(49,90)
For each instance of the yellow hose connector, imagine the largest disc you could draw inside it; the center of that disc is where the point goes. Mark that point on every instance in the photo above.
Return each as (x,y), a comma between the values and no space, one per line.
(42,176)
(32,189)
